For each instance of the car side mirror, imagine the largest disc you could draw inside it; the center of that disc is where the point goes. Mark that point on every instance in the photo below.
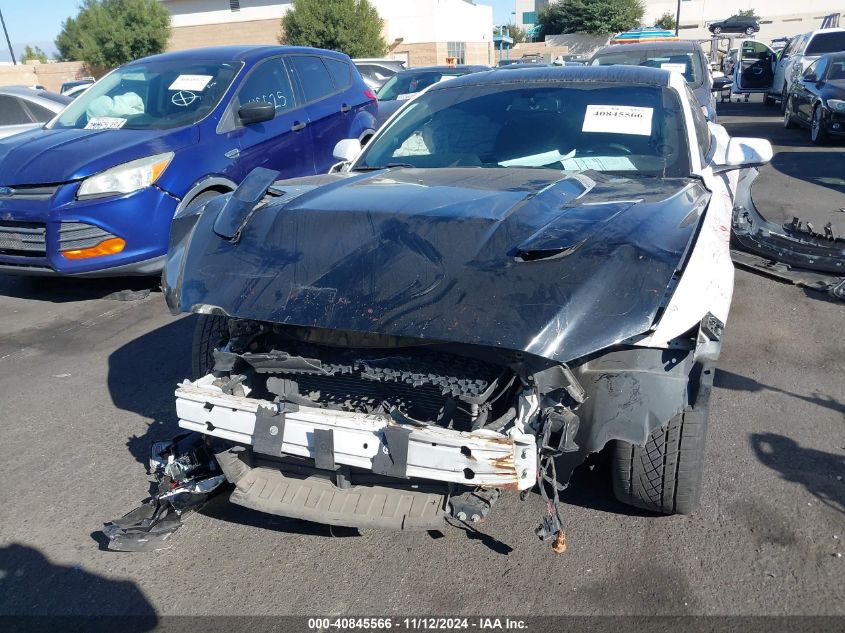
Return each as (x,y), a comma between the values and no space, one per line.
(744,152)
(721,84)
(347,149)
(811,78)
(256,112)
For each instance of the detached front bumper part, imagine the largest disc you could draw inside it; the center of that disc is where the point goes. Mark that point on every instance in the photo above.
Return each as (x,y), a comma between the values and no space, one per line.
(794,252)
(407,457)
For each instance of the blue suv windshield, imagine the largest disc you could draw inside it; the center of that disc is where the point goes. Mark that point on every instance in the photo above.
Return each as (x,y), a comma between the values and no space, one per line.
(151,96)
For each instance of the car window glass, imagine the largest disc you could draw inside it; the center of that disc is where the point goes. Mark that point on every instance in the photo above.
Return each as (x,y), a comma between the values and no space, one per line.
(837,70)
(340,71)
(629,129)
(39,112)
(688,63)
(313,77)
(12,112)
(811,69)
(153,95)
(753,51)
(823,43)
(270,83)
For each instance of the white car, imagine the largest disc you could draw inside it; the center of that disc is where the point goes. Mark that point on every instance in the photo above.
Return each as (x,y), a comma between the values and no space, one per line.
(518,269)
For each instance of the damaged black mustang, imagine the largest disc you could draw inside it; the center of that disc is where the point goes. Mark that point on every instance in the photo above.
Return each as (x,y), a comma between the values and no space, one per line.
(519,269)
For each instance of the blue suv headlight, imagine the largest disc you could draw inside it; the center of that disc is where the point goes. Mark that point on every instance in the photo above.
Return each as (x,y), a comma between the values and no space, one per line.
(125,178)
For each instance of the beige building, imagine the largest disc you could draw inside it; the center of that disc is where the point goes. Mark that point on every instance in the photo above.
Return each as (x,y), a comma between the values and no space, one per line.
(422,32)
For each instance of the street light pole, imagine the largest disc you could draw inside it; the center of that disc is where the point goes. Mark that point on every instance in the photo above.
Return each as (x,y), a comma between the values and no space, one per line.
(8,41)
(678,18)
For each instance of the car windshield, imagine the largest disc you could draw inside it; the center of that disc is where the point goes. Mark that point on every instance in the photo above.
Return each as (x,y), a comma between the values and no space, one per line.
(405,85)
(571,127)
(688,63)
(824,43)
(151,96)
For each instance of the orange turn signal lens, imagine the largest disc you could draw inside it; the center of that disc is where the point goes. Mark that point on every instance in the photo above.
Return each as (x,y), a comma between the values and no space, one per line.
(111,246)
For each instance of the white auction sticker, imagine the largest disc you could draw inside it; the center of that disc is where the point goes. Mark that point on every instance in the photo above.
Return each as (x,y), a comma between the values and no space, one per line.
(105,123)
(677,68)
(405,97)
(196,83)
(616,119)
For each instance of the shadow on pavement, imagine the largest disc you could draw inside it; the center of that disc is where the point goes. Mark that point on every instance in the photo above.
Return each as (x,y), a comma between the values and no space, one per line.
(143,375)
(69,289)
(590,487)
(30,585)
(735,382)
(815,470)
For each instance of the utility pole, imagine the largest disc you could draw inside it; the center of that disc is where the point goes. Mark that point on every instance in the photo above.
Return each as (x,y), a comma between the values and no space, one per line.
(8,41)
(678,18)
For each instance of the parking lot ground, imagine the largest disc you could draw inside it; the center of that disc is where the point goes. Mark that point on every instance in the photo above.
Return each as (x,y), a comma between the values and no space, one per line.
(803,180)
(87,382)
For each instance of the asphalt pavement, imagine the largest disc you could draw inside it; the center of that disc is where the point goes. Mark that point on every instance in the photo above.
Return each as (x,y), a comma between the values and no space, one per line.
(86,382)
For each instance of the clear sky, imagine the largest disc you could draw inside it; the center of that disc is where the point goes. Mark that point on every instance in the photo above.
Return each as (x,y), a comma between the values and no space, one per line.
(38,23)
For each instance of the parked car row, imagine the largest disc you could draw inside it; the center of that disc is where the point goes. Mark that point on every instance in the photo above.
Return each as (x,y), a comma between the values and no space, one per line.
(23,108)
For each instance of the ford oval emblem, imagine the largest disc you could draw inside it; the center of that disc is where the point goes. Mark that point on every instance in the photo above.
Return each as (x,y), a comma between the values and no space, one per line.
(6,191)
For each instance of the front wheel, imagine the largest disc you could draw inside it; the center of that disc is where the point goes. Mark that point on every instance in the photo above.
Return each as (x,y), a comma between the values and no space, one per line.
(211,332)
(788,118)
(784,97)
(716,30)
(749,31)
(818,135)
(665,475)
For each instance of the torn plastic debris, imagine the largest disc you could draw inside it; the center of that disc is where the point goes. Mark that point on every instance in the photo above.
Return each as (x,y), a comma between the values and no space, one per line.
(187,474)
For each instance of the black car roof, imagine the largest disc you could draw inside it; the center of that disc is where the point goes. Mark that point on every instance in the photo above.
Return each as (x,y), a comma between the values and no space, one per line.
(679,45)
(601,74)
(442,69)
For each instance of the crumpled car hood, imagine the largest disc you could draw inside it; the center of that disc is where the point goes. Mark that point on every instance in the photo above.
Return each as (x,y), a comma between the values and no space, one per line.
(520,259)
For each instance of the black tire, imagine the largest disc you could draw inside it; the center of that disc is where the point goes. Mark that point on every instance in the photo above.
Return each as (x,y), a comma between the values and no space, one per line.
(716,30)
(665,475)
(769,100)
(784,97)
(788,118)
(210,333)
(750,30)
(818,135)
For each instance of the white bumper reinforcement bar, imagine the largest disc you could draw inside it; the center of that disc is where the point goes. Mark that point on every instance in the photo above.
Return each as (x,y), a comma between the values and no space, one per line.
(479,458)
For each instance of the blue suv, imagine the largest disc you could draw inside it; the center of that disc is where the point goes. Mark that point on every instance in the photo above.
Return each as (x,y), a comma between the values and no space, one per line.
(93,192)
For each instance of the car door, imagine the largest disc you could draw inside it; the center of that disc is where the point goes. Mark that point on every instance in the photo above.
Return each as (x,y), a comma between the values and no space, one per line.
(753,69)
(328,112)
(803,93)
(283,143)
(783,68)
(14,118)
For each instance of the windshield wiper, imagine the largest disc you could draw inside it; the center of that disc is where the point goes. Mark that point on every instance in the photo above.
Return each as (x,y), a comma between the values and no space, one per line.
(377,167)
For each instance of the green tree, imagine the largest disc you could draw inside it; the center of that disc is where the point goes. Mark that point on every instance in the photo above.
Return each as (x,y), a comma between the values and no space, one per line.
(666,21)
(516,32)
(748,13)
(596,17)
(30,52)
(353,27)
(108,33)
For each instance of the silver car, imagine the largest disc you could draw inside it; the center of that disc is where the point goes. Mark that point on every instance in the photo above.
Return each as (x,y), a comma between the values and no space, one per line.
(801,51)
(23,108)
